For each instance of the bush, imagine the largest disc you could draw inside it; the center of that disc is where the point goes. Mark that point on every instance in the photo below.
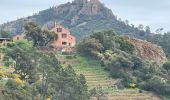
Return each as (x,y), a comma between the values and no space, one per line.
(137,62)
(19,81)
(70,57)
(140,91)
(128,80)
(117,74)
(167,66)
(157,86)
(11,84)
(65,53)
(124,44)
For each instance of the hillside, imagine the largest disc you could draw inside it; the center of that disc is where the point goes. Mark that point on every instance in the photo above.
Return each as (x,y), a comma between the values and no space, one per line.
(105,65)
(137,63)
(80,16)
(97,77)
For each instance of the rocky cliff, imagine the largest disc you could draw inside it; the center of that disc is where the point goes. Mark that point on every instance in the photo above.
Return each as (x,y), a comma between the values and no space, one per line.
(148,51)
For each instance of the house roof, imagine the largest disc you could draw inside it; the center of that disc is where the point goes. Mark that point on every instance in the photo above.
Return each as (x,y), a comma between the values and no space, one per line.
(4,38)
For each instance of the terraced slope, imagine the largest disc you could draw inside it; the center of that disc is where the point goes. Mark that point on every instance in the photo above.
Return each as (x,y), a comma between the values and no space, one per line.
(96,76)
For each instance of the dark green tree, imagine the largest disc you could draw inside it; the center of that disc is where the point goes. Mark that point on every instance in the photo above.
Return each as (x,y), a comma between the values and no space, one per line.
(167,66)
(39,37)
(23,53)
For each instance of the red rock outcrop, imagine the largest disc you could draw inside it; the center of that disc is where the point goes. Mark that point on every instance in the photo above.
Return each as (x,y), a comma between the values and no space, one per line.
(148,51)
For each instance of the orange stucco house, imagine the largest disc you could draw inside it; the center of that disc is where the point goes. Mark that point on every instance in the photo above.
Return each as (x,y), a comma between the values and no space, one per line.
(65,39)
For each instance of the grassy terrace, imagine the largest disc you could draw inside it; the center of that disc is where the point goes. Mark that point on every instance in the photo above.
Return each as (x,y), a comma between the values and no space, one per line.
(96,76)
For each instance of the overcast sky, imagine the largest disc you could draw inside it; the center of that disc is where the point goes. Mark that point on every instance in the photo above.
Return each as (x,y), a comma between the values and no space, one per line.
(155,13)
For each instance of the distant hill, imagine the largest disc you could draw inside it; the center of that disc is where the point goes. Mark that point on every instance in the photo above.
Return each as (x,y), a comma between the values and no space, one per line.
(81,17)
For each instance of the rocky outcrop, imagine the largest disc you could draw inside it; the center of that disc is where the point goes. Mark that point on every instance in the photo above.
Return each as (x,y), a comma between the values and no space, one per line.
(91,7)
(148,51)
(82,17)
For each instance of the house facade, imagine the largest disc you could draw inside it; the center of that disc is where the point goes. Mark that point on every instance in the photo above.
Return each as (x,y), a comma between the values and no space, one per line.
(65,39)
(4,41)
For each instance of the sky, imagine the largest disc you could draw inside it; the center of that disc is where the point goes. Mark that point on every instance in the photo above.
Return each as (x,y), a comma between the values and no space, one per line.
(154,13)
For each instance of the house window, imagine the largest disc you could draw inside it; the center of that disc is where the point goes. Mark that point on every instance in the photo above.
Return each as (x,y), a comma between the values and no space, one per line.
(69,44)
(64,43)
(64,35)
(17,38)
(59,29)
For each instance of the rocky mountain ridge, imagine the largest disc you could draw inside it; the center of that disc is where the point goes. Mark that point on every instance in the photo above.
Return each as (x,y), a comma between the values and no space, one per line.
(82,17)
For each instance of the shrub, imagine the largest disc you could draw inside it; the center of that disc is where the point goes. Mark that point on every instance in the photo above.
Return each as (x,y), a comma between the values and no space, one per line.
(15,75)
(89,47)
(65,53)
(19,81)
(11,84)
(124,44)
(140,91)
(167,66)
(71,57)
(117,74)
(132,85)
(128,80)
(157,86)
(137,62)
(2,72)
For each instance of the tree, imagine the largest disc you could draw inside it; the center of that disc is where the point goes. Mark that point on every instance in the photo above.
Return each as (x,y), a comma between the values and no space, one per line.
(140,27)
(90,47)
(167,66)
(159,30)
(126,22)
(125,45)
(49,68)
(106,38)
(23,53)
(147,29)
(66,85)
(39,37)
(4,34)
(157,86)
